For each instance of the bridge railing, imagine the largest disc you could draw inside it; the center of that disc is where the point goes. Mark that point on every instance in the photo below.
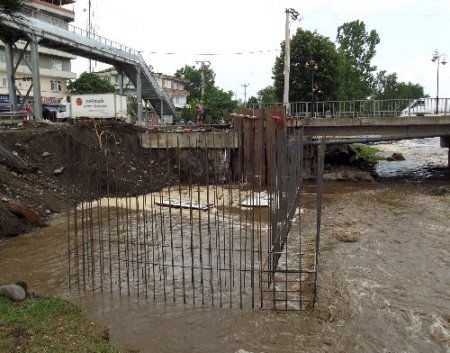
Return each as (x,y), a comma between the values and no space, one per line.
(77,30)
(366,108)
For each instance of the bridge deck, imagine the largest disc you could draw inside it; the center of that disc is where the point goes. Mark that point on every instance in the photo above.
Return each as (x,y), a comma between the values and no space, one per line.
(395,127)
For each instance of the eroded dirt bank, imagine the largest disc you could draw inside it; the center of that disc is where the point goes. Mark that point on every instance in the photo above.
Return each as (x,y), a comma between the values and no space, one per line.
(53,165)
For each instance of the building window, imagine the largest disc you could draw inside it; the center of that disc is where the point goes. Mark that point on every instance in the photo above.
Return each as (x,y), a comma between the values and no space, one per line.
(168,84)
(2,56)
(3,82)
(56,86)
(57,65)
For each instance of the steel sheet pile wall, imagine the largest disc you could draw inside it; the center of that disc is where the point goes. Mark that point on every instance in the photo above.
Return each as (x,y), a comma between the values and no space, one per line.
(232,239)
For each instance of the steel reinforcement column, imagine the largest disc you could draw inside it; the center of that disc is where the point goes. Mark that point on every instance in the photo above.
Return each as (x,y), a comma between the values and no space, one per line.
(36,78)
(10,78)
(139,94)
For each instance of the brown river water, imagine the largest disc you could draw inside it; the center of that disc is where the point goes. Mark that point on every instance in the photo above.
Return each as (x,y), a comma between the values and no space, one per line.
(388,291)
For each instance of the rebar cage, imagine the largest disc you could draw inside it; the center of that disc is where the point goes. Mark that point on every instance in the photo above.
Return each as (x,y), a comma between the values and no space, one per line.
(226,230)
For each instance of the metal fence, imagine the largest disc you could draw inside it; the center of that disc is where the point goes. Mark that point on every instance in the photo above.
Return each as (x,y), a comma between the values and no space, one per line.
(33,13)
(366,108)
(213,235)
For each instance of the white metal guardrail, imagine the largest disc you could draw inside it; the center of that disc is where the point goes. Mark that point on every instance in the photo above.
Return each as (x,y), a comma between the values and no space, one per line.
(367,108)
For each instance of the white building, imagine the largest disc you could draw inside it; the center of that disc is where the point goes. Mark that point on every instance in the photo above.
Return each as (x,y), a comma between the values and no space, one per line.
(173,86)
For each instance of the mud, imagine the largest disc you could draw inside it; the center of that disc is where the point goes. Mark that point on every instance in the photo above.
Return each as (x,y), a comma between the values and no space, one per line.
(387,291)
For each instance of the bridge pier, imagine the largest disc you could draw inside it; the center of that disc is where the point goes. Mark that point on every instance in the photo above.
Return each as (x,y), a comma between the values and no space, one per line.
(445,143)
(11,77)
(35,74)
(11,69)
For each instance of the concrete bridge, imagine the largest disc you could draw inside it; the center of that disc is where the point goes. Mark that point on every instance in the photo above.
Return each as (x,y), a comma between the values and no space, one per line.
(345,130)
(366,120)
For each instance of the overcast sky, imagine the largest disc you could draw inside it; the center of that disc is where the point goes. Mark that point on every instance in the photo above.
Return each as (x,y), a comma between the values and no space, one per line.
(174,33)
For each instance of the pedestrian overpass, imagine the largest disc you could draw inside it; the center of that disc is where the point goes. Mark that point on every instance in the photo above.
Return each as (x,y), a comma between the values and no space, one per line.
(37,30)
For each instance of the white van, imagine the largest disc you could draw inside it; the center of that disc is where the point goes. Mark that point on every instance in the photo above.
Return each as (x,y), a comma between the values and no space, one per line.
(427,106)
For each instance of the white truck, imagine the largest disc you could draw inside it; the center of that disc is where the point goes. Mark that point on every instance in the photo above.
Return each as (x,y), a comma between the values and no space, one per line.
(97,106)
(427,106)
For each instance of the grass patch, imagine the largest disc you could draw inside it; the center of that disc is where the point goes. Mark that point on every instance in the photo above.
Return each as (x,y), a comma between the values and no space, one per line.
(49,325)
(369,153)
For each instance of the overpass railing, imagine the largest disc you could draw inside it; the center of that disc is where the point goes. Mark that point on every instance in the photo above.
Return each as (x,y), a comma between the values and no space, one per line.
(80,31)
(366,108)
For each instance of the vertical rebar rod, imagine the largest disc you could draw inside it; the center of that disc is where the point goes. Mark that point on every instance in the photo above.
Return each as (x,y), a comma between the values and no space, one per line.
(153,236)
(210,261)
(162,229)
(169,178)
(138,242)
(146,261)
(191,229)
(183,274)
(200,236)
(108,198)
(127,245)
(217,228)
(320,168)
(118,215)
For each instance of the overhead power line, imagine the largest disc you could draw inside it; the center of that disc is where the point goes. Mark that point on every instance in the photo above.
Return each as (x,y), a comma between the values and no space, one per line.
(215,54)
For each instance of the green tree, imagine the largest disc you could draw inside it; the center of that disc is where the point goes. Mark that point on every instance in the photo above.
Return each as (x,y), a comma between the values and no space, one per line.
(306,46)
(218,104)
(267,95)
(357,48)
(387,87)
(252,101)
(194,76)
(187,113)
(90,83)
(132,107)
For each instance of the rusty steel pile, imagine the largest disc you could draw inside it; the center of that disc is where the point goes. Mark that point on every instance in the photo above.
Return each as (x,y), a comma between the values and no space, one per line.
(226,230)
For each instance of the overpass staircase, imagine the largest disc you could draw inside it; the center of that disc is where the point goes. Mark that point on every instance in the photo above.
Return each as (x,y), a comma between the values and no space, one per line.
(51,33)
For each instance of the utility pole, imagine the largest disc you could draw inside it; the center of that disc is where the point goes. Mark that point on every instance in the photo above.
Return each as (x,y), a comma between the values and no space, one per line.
(287,57)
(202,64)
(245,85)
(88,29)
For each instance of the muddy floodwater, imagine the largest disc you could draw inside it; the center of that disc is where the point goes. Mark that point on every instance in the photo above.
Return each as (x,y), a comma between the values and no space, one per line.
(384,282)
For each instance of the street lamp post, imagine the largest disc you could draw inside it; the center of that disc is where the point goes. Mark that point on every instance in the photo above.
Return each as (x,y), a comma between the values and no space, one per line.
(440,59)
(245,85)
(312,66)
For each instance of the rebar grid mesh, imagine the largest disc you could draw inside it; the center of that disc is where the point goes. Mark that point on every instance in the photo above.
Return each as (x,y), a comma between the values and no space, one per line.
(220,237)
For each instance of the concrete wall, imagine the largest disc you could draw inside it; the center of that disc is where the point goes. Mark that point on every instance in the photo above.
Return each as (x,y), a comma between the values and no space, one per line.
(195,139)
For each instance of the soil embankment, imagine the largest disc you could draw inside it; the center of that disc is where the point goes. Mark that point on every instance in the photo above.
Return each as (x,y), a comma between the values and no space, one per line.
(43,168)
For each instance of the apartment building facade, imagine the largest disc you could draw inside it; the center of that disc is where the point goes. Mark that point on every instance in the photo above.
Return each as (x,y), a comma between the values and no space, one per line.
(173,86)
